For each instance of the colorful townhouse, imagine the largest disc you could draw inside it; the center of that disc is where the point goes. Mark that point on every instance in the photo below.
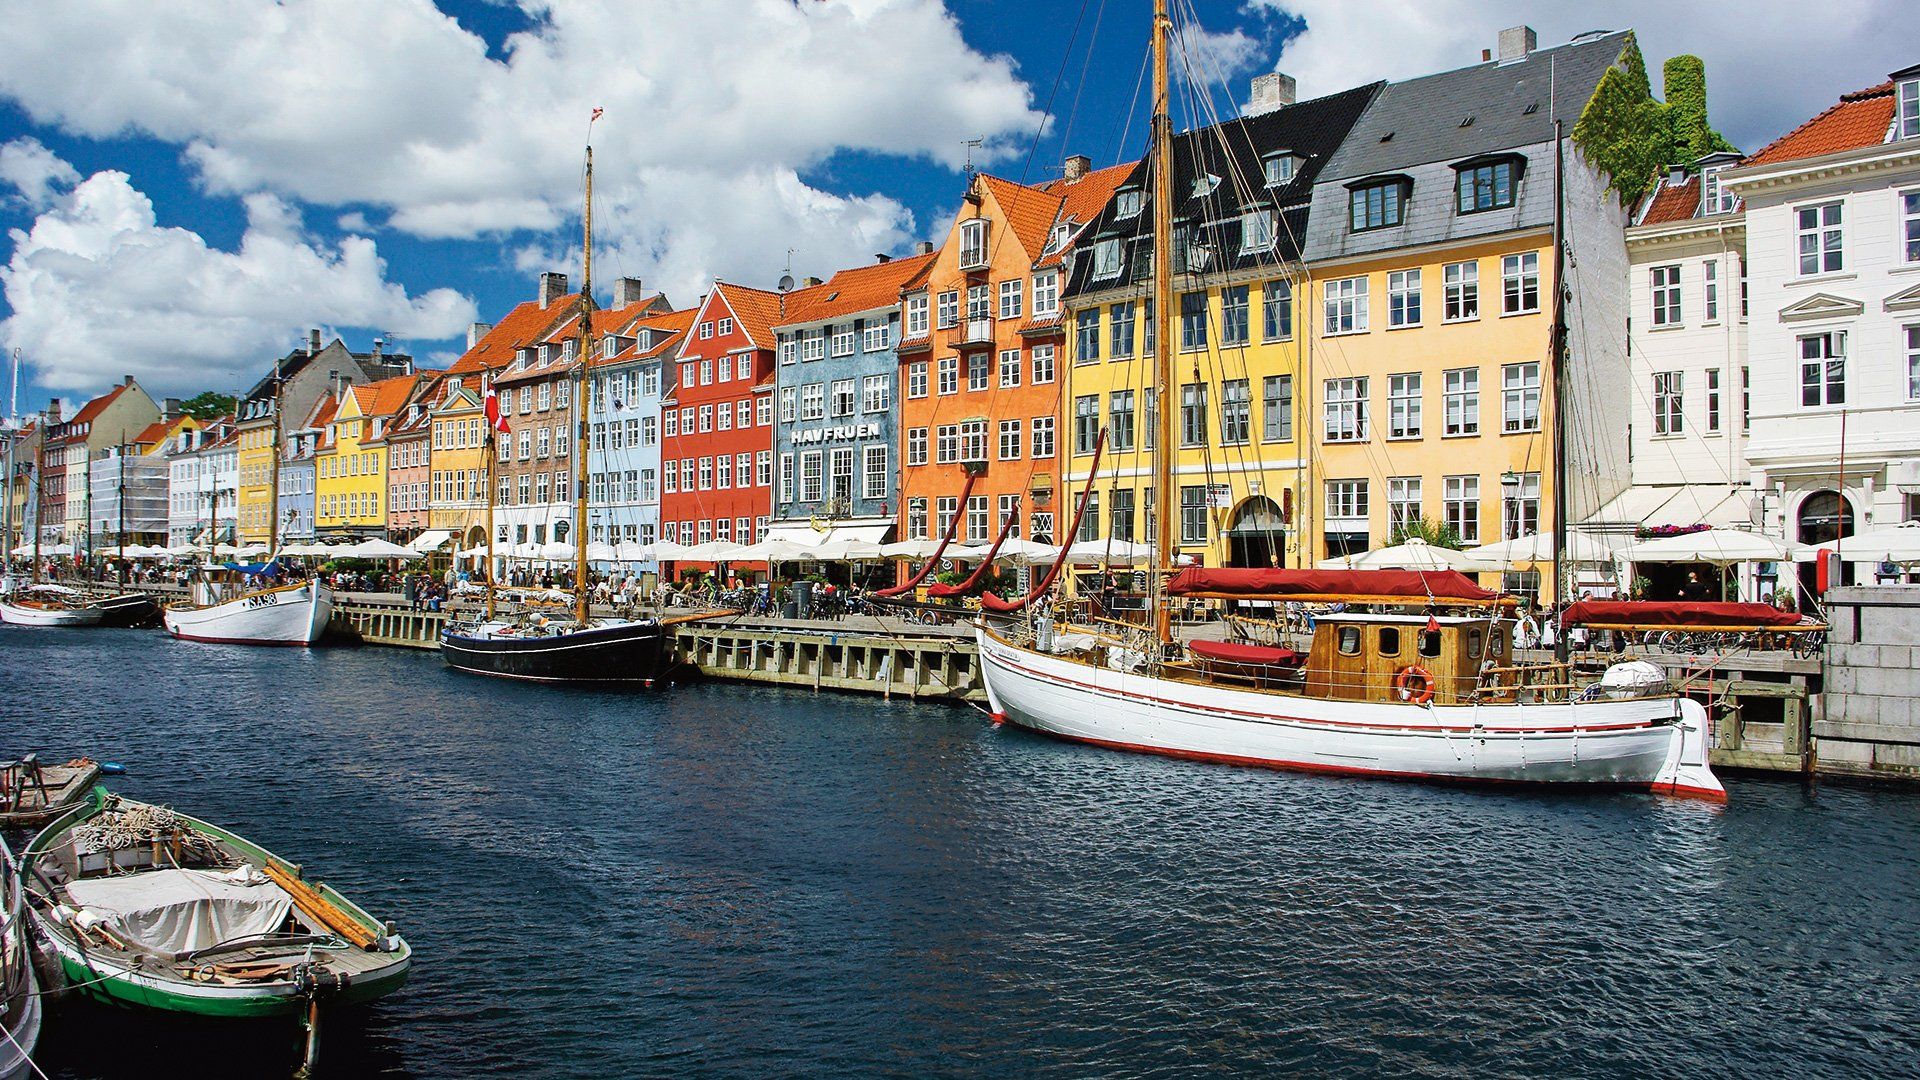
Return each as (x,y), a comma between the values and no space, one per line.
(635,361)
(835,399)
(457,485)
(408,460)
(305,375)
(108,420)
(23,444)
(130,484)
(1431,263)
(980,354)
(302,439)
(203,478)
(717,422)
(1240,204)
(350,467)
(1833,239)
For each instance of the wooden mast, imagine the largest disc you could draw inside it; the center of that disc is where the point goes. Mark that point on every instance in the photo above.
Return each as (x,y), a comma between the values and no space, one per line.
(493,458)
(39,478)
(273,483)
(1558,346)
(580,405)
(1164,455)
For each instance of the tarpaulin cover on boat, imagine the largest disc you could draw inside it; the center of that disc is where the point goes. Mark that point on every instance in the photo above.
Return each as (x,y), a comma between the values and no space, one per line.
(1239,652)
(1265,581)
(1677,613)
(177,911)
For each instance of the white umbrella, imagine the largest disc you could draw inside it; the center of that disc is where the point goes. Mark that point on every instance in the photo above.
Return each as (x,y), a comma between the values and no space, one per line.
(772,551)
(600,551)
(910,549)
(1109,551)
(1721,547)
(1016,550)
(629,551)
(1899,543)
(668,551)
(711,551)
(1412,554)
(1538,548)
(380,549)
(556,551)
(843,551)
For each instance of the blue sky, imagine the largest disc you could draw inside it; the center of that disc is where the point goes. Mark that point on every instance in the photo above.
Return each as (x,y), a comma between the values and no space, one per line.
(374,169)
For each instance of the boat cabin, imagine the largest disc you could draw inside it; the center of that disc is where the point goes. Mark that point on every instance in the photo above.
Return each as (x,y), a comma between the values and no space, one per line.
(1379,657)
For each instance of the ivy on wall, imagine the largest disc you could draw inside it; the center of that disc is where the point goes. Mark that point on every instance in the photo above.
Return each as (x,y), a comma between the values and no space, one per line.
(1625,130)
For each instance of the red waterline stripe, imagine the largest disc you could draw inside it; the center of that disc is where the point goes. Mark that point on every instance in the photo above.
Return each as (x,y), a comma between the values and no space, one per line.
(237,641)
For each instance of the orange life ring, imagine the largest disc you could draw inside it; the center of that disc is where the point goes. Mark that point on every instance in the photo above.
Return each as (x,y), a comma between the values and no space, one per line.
(1414,684)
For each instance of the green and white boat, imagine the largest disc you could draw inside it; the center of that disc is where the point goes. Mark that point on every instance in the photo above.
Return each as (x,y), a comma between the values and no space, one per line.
(149,907)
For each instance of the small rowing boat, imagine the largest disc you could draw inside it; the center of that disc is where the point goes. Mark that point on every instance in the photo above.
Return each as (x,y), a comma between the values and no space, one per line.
(48,605)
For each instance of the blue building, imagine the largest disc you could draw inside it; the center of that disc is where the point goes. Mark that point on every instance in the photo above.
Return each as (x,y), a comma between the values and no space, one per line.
(835,436)
(294,523)
(635,361)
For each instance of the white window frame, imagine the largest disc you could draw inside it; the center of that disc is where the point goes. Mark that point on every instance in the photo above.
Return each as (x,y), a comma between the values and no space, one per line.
(1344,404)
(1345,306)
(1667,308)
(1819,231)
(1403,298)
(1669,403)
(1404,393)
(1460,288)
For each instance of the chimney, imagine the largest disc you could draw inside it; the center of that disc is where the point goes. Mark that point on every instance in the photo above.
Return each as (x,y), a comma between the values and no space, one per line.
(552,287)
(882,257)
(1269,92)
(170,407)
(126,380)
(924,247)
(1676,175)
(379,346)
(476,331)
(1516,42)
(313,342)
(1486,56)
(810,282)
(1077,166)
(53,410)
(627,290)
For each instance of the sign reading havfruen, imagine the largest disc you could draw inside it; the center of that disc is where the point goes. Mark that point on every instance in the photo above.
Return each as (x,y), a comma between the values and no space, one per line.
(836,433)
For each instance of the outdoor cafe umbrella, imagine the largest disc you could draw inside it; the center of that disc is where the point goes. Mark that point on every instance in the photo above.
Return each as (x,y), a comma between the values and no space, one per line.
(1720,547)
(380,549)
(1109,551)
(1894,543)
(1538,548)
(1412,554)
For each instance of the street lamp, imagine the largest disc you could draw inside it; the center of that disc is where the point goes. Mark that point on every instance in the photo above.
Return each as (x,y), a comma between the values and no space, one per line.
(1510,496)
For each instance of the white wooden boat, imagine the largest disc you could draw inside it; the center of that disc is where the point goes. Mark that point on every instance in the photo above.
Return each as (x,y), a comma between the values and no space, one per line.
(20,1010)
(48,605)
(224,611)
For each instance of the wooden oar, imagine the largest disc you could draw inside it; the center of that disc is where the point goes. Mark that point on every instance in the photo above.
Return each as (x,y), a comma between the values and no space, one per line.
(317,907)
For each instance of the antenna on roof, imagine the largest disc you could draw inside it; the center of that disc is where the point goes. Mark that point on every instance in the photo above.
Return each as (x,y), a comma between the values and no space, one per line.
(971,145)
(786,278)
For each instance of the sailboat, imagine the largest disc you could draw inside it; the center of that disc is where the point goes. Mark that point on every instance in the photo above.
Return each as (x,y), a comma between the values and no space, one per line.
(240,605)
(537,645)
(1415,679)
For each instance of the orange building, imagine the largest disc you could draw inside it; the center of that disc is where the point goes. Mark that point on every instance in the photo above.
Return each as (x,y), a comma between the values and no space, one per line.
(981,346)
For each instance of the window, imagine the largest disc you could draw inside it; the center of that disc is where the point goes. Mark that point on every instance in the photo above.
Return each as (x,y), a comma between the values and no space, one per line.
(706,330)
(789,350)
(977,527)
(1086,336)
(706,418)
(670,478)
(1823,368)
(977,365)
(1042,364)
(810,476)
(1193,514)
(724,370)
(1106,259)
(1346,410)
(979,307)
(917,519)
(1913,362)
(1233,316)
(786,478)
(788,409)
(1520,514)
(1910,227)
(1346,306)
(1669,414)
(1403,406)
(949,375)
(1236,412)
(876,393)
(1086,423)
(916,317)
(1403,503)
(1461,388)
(1907,113)
(917,379)
(946,448)
(1520,283)
(1042,428)
(1120,420)
(1276,310)
(1120,330)
(1461,286)
(1276,408)
(1193,321)
(1126,204)
(1746,399)
(843,397)
(706,474)
(973,440)
(1818,231)
(649,431)
(813,402)
(1347,499)
(948,311)
(1460,506)
(843,340)
(1713,401)
(1520,397)
(1377,206)
(840,474)
(723,420)
(1403,298)
(1278,169)
(1666,296)
(762,468)
(1710,309)
(1010,442)
(1485,187)
(1012,299)
(1193,414)
(1256,231)
(723,472)
(973,242)
(1046,293)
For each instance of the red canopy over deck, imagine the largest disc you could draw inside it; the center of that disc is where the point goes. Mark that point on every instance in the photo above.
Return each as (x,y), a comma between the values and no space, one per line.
(1676,613)
(1365,586)
(1238,652)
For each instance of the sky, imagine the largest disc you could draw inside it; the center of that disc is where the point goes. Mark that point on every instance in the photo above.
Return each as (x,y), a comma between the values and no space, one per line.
(186,186)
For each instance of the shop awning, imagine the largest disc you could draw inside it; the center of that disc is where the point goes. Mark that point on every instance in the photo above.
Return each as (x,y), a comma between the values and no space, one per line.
(431,540)
(803,534)
(1720,505)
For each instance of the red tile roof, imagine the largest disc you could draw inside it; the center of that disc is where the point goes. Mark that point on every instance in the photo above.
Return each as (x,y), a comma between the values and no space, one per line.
(757,309)
(386,397)
(154,432)
(1029,211)
(1674,202)
(1859,119)
(862,288)
(525,323)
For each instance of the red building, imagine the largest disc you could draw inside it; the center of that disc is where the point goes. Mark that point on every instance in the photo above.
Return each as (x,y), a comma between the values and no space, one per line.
(716,423)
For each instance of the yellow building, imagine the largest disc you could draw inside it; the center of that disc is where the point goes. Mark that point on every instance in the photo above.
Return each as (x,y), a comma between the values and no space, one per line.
(1240,467)
(255,455)
(350,468)
(457,495)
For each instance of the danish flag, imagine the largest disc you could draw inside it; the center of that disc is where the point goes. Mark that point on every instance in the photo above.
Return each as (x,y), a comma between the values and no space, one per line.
(495,419)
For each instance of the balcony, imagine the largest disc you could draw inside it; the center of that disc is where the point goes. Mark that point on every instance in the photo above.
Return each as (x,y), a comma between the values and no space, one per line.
(977,331)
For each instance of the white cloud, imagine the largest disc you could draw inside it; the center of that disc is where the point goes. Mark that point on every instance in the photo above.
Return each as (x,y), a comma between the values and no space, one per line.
(99,289)
(1846,47)
(35,172)
(1218,56)
(714,109)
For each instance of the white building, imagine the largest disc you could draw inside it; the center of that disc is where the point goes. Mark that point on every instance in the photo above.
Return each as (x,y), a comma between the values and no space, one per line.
(1833,235)
(203,477)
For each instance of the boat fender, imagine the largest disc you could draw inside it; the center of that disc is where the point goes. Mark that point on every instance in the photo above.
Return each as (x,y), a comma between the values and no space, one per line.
(112,768)
(1414,684)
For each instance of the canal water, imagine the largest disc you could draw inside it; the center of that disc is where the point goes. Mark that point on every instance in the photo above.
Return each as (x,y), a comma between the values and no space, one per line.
(722,881)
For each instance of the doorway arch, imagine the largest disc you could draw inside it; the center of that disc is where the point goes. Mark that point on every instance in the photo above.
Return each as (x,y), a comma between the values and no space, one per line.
(1257,533)
(1823,517)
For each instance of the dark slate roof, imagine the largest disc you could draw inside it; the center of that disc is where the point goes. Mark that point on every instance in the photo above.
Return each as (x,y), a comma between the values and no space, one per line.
(1419,120)
(1235,151)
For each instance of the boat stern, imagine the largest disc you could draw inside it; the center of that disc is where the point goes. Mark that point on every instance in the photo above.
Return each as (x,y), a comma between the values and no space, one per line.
(1687,774)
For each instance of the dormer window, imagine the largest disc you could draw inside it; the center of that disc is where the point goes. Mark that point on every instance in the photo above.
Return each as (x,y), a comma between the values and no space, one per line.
(1256,230)
(1204,184)
(1907,114)
(1715,198)
(1488,183)
(973,244)
(1057,237)
(1378,203)
(1280,169)
(1126,204)
(609,345)
(1106,259)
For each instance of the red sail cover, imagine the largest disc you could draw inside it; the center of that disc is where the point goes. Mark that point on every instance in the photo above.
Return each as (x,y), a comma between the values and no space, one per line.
(1676,613)
(1278,583)
(1239,652)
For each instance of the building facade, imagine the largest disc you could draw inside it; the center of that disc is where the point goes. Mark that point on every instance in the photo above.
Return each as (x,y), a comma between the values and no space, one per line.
(203,478)
(350,467)
(457,486)
(634,364)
